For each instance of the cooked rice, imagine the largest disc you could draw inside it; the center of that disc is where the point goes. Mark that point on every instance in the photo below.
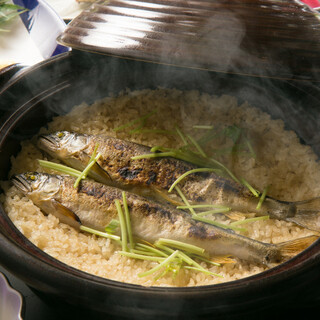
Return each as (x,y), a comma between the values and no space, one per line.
(288,167)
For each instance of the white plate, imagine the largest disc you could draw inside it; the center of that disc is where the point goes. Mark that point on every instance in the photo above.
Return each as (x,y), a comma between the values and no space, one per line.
(10,301)
(31,37)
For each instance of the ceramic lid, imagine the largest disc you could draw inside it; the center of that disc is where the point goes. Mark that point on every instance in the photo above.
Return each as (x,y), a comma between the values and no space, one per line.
(256,37)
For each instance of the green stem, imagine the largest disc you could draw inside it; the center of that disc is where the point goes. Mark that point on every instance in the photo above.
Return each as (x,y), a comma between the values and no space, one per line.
(184,199)
(194,142)
(208,261)
(215,211)
(86,170)
(203,270)
(131,123)
(217,224)
(153,155)
(124,241)
(59,167)
(252,189)
(151,249)
(181,245)
(153,131)
(262,198)
(190,172)
(236,223)
(200,206)
(141,256)
(225,169)
(203,127)
(181,135)
(128,222)
(99,233)
(164,263)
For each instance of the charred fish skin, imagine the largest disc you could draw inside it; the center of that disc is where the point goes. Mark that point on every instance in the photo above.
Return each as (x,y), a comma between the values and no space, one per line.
(145,173)
(93,205)
(116,159)
(149,175)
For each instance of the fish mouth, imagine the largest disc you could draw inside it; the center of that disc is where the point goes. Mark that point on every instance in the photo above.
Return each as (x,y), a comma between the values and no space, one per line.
(47,142)
(21,183)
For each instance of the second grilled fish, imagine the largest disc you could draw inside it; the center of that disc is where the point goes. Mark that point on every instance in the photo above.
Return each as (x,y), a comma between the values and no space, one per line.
(93,204)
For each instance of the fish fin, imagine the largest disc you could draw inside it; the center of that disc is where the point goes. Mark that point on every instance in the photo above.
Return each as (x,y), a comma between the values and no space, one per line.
(63,213)
(97,172)
(293,247)
(222,259)
(237,216)
(307,214)
(165,196)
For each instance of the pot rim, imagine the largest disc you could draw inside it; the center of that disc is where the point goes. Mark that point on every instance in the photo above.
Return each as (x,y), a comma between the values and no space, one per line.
(15,245)
(23,258)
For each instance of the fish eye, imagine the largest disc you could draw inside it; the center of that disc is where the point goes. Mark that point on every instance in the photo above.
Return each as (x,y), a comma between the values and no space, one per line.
(267,258)
(31,177)
(60,134)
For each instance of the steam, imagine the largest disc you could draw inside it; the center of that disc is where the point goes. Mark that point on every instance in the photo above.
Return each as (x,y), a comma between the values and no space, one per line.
(220,45)
(212,43)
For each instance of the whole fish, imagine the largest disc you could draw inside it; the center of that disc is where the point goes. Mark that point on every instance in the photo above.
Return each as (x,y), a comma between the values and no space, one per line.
(152,177)
(92,204)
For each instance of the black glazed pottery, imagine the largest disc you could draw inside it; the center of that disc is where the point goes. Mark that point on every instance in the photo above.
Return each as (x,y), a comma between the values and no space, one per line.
(30,99)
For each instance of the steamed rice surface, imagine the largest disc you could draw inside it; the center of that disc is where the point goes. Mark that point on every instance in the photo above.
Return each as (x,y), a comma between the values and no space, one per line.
(288,167)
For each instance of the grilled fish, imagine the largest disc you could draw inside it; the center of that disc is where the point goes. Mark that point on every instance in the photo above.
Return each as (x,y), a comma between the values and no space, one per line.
(93,204)
(153,176)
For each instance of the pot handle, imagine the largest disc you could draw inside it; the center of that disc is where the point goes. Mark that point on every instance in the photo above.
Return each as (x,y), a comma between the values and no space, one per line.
(8,72)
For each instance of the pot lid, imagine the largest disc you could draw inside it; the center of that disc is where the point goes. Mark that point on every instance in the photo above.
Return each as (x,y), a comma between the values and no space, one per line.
(269,38)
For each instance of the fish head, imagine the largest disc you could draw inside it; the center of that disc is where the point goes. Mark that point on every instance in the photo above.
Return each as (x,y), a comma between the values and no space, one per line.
(62,144)
(37,186)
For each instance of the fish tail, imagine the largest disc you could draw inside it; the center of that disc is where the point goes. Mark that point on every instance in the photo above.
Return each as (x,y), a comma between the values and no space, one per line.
(307,214)
(293,247)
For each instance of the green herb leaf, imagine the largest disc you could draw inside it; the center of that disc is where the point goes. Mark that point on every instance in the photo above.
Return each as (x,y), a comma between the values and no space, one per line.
(8,11)
(112,226)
